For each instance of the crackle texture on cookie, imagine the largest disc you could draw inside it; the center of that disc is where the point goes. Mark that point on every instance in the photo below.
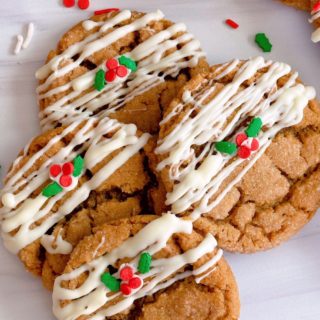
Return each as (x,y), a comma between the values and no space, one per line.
(278,195)
(215,297)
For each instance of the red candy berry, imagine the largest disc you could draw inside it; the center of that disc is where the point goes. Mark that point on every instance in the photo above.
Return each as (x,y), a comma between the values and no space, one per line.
(111,75)
(125,289)
(65,181)
(255,145)
(126,273)
(103,11)
(135,283)
(55,170)
(240,138)
(67,168)
(112,64)
(122,71)
(244,152)
(83,4)
(69,3)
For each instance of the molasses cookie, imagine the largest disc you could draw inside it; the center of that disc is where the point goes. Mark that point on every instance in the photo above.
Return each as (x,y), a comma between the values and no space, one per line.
(147,267)
(240,147)
(124,64)
(66,182)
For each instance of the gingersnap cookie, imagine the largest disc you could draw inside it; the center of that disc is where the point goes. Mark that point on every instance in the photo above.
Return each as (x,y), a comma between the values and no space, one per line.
(124,64)
(147,267)
(66,182)
(299,4)
(240,147)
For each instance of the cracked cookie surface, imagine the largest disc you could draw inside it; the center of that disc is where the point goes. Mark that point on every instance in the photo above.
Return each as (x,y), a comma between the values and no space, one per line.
(249,204)
(214,297)
(165,53)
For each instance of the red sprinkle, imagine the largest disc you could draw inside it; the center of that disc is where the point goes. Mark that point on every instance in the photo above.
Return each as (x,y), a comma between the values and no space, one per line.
(122,71)
(103,11)
(83,4)
(110,75)
(125,289)
(65,181)
(112,64)
(240,138)
(135,283)
(254,145)
(69,3)
(67,168)
(232,24)
(244,152)
(316,7)
(55,170)
(126,273)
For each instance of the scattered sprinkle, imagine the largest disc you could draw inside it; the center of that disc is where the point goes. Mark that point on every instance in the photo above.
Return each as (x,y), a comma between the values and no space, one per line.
(263,42)
(232,24)
(83,4)
(68,3)
(18,46)
(29,36)
(103,11)
(316,7)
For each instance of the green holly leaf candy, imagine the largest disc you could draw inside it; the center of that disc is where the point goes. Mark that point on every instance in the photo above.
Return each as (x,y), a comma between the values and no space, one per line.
(254,128)
(78,164)
(226,147)
(112,283)
(51,190)
(144,263)
(263,42)
(129,63)
(99,81)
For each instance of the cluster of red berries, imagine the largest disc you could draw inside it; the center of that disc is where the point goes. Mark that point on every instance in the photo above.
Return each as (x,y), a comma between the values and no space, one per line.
(62,173)
(246,145)
(129,281)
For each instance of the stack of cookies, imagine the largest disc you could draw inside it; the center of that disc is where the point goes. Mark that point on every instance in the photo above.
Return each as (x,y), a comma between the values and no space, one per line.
(150,163)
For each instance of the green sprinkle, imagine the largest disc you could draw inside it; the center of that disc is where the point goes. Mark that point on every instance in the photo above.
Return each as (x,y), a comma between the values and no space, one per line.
(263,42)
(226,147)
(78,164)
(99,81)
(144,263)
(129,63)
(51,190)
(112,283)
(254,128)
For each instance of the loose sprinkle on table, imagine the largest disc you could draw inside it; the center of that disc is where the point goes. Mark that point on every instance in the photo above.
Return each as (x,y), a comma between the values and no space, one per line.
(18,46)
(83,4)
(232,24)
(263,42)
(29,36)
(103,11)
(68,3)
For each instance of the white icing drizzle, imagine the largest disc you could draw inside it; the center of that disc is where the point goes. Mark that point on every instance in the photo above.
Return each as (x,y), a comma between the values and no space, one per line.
(102,242)
(18,46)
(154,64)
(29,36)
(21,212)
(200,180)
(92,294)
(56,245)
(315,15)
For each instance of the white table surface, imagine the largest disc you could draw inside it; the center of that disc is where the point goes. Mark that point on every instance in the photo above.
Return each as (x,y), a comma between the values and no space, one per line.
(283,283)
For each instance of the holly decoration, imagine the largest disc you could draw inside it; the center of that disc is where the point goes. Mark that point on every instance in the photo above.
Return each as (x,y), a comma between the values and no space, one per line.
(63,176)
(128,281)
(245,142)
(114,68)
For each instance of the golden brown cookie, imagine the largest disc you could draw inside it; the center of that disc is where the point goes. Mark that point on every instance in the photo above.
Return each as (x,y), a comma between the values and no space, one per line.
(70,180)
(299,4)
(239,147)
(125,65)
(147,267)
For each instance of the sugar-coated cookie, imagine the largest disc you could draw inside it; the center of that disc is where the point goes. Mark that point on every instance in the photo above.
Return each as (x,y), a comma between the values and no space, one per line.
(126,65)
(147,267)
(240,148)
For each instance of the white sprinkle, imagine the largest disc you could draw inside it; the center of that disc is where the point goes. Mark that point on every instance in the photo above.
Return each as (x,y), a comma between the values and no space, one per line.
(29,35)
(18,47)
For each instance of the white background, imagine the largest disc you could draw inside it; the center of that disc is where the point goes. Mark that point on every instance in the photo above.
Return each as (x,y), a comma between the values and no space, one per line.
(283,283)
